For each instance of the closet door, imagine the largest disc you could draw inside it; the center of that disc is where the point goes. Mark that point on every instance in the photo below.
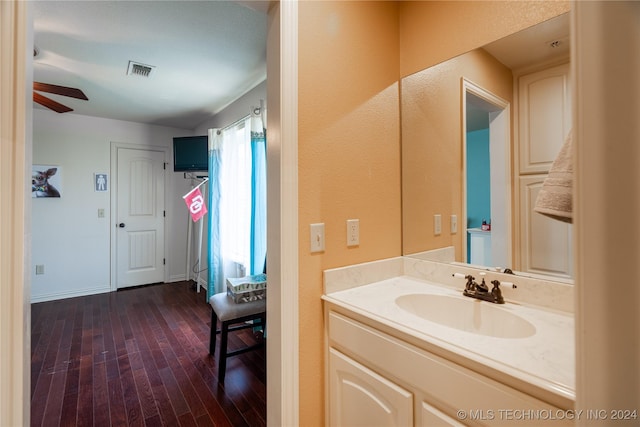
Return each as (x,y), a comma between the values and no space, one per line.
(545,117)
(544,121)
(545,247)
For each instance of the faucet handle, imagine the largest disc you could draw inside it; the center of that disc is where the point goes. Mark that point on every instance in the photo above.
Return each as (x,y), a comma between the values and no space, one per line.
(496,292)
(470,285)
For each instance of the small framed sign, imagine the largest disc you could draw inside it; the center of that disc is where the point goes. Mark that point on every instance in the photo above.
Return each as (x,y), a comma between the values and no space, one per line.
(101,181)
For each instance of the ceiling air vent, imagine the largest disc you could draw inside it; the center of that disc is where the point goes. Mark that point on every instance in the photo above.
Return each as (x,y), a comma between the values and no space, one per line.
(141,70)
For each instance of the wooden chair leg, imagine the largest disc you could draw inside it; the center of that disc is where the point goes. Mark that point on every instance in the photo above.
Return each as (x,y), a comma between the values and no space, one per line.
(230,325)
(222,364)
(214,327)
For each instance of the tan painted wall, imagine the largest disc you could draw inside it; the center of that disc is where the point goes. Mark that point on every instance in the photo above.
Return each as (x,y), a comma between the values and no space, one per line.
(434,31)
(350,57)
(431,100)
(432,145)
(349,157)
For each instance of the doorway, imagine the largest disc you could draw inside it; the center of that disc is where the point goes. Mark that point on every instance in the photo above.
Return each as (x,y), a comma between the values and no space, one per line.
(138,209)
(487,177)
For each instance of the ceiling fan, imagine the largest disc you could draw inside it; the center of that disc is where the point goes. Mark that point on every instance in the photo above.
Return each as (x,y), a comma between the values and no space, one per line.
(58,90)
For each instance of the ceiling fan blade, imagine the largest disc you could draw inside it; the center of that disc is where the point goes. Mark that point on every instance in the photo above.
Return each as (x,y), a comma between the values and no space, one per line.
(50,103)
(60,90)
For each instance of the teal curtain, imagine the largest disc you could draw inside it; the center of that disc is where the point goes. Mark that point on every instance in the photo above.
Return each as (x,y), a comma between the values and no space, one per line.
(215,279)
(258,241)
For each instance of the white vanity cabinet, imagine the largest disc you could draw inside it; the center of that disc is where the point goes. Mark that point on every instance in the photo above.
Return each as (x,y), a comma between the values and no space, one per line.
(376,377)
(361,397)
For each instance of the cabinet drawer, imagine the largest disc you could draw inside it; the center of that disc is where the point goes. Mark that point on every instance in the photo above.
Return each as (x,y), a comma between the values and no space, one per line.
(447,385)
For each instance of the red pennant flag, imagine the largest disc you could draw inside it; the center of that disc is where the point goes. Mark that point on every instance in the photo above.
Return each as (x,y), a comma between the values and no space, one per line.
(195,203)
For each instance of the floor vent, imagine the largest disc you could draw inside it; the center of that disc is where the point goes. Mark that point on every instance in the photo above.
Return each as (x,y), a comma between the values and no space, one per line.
(141,70)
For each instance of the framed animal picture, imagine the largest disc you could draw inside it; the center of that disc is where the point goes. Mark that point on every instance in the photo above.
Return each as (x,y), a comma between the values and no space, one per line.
(46,181)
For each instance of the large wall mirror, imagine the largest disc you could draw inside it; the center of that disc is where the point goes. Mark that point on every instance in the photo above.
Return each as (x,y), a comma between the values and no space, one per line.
(479,134)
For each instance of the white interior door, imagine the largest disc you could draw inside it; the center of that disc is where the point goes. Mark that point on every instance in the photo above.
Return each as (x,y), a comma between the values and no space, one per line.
(500,160)
(140,217)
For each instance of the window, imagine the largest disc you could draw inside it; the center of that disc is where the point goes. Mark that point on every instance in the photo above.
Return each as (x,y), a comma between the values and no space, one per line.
(235,194)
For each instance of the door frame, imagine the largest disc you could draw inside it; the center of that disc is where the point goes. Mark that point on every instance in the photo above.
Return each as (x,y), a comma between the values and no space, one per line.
(113,280)
(502,112)
(283,345)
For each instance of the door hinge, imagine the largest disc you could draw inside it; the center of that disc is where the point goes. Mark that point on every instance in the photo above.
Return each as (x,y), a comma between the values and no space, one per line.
(164,261)
(164,166)
(164,213)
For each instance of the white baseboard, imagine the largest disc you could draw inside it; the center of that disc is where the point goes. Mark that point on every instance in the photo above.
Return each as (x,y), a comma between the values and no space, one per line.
(99,290)
(63,295)
(177,278)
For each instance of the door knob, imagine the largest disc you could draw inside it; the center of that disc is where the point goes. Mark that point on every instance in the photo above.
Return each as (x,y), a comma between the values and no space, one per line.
(121,225)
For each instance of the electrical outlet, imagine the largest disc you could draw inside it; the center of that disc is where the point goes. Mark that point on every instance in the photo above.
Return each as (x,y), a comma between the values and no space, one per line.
(454,224)
(317,237)
(40,269)
(353,232)
(437,224)
(100,213)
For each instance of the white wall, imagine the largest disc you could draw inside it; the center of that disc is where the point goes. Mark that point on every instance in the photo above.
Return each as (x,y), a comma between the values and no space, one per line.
(237,110)
(68,238)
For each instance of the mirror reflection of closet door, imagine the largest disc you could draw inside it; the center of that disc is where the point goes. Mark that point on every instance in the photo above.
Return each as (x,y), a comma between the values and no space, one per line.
(544,121)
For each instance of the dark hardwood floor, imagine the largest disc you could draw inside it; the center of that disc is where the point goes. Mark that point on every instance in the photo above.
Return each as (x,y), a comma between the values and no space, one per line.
(139,357)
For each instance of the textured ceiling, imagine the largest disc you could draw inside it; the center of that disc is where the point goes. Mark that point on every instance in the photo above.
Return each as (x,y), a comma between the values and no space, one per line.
(520,50)
(206,55)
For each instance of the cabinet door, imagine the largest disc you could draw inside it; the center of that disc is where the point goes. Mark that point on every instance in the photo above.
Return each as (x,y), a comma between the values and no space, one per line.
(432,417)
(544,111)
(360,397)
(545,243)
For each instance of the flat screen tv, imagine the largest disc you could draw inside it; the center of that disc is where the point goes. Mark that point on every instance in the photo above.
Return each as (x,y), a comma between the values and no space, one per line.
(190,154)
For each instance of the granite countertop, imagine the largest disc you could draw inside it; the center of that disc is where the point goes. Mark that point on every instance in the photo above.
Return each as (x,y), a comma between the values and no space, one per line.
(545,359)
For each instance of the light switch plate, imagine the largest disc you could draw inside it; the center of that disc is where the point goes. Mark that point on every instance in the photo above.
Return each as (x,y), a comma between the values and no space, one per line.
(437,224)
(454,224)
(317,237)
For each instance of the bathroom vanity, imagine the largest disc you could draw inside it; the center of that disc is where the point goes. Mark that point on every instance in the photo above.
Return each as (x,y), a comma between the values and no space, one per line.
(405,348)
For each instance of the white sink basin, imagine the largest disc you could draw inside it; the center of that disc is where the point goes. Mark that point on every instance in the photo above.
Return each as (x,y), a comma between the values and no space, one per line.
(467,314)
